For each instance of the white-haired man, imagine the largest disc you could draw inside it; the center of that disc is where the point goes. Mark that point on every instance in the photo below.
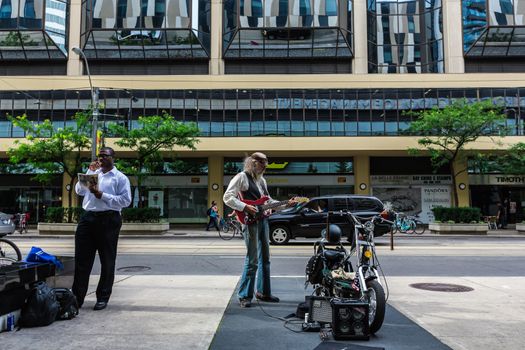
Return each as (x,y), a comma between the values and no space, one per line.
(251,185)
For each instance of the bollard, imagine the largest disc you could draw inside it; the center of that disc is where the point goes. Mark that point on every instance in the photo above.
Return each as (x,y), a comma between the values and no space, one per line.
(391,238)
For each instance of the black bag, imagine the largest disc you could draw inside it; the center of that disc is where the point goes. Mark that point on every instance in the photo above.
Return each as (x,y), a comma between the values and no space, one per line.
(68,304)
(208,212)
(314,269)
(41,307)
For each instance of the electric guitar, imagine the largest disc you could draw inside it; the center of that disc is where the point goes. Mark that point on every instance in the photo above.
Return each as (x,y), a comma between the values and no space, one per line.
(245,218)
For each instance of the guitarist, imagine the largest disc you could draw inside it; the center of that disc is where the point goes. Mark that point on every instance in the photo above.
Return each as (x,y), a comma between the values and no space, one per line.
(251,185)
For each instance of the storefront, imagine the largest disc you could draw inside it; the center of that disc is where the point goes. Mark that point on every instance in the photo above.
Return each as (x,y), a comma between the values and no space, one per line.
(487,190)
(413,194)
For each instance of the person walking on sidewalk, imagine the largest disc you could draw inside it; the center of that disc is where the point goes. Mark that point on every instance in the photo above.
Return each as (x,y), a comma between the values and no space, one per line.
(213,214)
(251,185)
(99,227)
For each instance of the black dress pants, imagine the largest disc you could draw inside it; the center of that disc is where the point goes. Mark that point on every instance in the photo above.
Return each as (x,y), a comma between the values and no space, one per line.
(96,231)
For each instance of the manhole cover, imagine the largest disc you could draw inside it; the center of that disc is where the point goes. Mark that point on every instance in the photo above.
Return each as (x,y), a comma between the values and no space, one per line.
(133,268)
(442,287)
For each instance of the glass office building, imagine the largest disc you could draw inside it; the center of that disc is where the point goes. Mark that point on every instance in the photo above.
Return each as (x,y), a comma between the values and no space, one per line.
(324,87)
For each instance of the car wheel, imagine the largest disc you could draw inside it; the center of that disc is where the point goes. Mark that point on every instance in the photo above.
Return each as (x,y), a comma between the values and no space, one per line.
(279,235)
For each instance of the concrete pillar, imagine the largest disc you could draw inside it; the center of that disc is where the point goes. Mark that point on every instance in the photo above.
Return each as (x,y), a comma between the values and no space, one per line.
(452,37)
(360,61)
(362,175)
(65,193)
(74,63)
(216,181)
(462,184)
(216,65)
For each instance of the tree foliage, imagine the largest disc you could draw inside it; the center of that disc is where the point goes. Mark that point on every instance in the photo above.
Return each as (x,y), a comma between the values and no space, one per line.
(447,131)
(50,151)
(513,161)
(152,135)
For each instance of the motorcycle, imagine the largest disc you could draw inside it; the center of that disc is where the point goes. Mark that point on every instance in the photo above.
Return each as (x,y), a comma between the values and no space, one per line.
(332,274)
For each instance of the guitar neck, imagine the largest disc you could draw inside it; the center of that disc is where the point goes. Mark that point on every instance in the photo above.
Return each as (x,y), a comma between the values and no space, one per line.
(273,205)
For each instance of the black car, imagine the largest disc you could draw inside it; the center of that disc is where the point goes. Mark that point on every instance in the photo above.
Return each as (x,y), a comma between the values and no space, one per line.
(309,219)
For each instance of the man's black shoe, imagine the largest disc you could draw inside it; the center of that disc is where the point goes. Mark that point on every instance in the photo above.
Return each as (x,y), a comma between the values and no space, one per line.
(268,298)
(245,302)
(100,305)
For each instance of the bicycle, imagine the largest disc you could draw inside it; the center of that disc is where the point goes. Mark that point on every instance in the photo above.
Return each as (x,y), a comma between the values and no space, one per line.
(229,228)
(9,252)
(419,227)
(403,224)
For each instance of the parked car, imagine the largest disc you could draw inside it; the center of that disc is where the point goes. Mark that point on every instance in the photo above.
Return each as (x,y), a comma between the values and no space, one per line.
(309,219)
(7,226)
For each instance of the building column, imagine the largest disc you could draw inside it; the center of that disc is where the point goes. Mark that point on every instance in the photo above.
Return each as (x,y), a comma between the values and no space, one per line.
(362,175)
(74,63)
(65,193)
(360,44)
(462,183)
(216,65)
(452,37)
(216,181)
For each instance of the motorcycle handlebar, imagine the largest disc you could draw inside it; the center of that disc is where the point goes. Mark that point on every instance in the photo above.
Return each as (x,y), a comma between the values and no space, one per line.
(356,218)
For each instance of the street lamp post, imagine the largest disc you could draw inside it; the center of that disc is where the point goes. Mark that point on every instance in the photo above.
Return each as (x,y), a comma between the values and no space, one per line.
(94,102)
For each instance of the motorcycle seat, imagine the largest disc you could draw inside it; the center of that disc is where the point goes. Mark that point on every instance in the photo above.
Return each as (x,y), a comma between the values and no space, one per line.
(333,255)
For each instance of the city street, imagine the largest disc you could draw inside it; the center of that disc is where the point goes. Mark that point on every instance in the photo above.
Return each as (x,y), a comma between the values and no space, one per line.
(187,285)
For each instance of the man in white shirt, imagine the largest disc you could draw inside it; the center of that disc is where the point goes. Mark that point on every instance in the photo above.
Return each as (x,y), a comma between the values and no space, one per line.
(99,227)
(251,185)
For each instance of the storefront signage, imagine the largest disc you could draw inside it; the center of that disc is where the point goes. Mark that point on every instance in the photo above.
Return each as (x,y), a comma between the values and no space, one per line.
(497,180)
(410,179)
(156,200)
(432,197)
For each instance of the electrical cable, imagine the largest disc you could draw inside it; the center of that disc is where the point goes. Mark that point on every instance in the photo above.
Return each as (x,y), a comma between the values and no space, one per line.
(283,319)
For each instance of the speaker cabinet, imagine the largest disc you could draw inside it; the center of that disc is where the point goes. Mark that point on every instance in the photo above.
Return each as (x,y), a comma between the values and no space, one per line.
(350,319)
(320,310)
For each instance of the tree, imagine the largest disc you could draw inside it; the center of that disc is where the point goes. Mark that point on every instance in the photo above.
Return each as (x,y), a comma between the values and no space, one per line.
(342,167)
(513,161)
(447,131)
(153,134)
(50,151)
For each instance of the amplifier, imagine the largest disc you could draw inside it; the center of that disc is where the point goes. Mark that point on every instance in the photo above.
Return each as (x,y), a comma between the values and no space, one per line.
(320,309)
(350,319)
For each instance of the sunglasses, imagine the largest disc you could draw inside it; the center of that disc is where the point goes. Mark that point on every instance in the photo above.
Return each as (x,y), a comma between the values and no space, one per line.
(262,161)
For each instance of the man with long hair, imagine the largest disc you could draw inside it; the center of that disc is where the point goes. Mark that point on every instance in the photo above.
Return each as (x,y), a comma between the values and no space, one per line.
(251,185)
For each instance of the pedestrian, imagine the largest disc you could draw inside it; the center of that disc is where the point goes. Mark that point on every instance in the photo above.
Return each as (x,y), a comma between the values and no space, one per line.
(213,214)
(251,185)
(99,227)
(502,215)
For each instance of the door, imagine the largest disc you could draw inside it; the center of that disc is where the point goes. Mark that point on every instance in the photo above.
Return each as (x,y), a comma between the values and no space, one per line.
(313,218)
(30,203)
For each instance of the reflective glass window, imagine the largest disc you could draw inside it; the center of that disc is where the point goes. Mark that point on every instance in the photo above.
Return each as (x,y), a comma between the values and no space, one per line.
(405,36)
(287,28)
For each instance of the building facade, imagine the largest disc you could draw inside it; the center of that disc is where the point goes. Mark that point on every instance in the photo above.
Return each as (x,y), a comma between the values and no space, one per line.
(322,86)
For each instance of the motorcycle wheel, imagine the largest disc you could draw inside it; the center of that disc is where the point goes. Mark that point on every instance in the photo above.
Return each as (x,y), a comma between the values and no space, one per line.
(377,305)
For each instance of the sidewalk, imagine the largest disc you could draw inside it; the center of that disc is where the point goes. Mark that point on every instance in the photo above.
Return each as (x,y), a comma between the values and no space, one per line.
(196,232)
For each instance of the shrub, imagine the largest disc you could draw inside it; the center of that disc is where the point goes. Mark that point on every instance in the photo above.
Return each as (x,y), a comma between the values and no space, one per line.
(141,214)
(457,214)
(61,214)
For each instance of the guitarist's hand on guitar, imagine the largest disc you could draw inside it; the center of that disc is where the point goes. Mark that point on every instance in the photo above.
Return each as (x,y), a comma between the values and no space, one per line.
(250,209)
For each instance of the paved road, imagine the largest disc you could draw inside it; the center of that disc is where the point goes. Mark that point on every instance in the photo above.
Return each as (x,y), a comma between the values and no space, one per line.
(489,317)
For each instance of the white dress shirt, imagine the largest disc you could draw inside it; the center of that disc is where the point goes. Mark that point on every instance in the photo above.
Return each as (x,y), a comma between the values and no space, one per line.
(115,188)
(238,184)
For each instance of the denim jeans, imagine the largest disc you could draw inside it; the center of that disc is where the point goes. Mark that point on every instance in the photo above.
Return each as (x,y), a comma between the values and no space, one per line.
(256,238)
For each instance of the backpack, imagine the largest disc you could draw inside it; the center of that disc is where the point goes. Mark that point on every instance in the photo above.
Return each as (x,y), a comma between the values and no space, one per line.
(41,307)
(208,212)
(68,304)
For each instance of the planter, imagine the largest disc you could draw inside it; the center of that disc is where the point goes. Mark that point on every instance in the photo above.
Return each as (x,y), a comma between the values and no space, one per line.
(458,229)
(128,228)
(520,227)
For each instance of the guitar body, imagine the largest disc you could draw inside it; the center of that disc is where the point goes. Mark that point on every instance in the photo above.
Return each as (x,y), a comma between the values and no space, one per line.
(245,218)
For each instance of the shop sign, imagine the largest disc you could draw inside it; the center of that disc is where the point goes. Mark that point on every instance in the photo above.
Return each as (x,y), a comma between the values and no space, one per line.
(410,180)
(432,197)
(497,179)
